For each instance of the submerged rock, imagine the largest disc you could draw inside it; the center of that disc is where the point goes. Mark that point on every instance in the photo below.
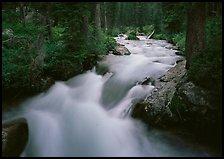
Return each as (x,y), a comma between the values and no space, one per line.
(102,68)
(147,81)
(14,137)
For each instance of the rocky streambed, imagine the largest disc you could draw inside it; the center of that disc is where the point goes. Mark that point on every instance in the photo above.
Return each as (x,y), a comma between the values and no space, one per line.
(98,102)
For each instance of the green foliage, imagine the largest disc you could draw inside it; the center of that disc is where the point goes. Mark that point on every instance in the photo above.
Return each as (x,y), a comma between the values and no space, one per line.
(109,42)
(175,103)
(179,41)
(174,18)
(147,29)
(19,49)
(115,32)
(132,36)
(128,29)
(206,70)
(160,36)
(214,33)
(58,32)
(69,53)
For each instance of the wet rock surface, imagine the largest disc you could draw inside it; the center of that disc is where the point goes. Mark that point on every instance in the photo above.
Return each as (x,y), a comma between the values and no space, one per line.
(156,105)
(14,137)
(178,105)
(121,50)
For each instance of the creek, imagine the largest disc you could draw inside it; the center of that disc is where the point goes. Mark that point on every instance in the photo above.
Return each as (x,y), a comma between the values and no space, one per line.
(88,115)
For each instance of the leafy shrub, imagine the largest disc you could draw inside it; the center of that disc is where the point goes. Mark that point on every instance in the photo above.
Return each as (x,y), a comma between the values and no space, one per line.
(214,33)
(19,48)
(147,29)
(132,36)
(58,32)
(179,41)
(109,42)
(115,32)
(127,29)
(176,39)
(206,70)
(159,36)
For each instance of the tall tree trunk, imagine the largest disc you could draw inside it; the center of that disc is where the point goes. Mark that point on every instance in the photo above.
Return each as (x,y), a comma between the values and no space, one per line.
(117,15)
(49,27)
(105,17)
(22,13)
(97,19)
(139,15)
(161,19)
(85,29)
(195,37)
(48,23)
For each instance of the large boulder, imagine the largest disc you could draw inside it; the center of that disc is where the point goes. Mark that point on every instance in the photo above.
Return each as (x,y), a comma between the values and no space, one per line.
(187,110)
(14,137)
(175,100)
(156,106)
(121,50)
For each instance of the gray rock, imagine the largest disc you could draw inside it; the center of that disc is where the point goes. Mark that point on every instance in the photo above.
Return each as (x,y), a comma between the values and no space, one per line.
(121,50)
(156,106)
(175,73)
(171,47)
(183,108)
(120,35)
(111,52)
(14,137)
(146,81)
(194,94)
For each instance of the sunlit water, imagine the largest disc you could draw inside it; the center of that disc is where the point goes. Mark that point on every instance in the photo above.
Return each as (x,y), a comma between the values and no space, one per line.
(88,114)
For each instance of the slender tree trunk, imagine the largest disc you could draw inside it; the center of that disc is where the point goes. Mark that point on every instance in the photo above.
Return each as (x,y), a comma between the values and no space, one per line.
(22,14)
(161,19)
(195,37)
(97,19)
(85,29)
(48,21)
(117,14)
(49,27)
(105,17)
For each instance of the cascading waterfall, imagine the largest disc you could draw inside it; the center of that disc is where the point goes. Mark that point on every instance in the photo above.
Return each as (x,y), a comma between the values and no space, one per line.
(87,115)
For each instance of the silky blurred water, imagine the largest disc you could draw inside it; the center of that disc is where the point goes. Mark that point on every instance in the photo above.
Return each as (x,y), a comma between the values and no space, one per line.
(88,114)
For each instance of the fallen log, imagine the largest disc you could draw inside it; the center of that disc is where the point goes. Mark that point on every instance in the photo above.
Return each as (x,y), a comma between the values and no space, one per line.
(148,37)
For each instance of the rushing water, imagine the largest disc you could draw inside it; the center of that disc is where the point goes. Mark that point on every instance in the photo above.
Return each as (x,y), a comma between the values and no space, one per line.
(88,114)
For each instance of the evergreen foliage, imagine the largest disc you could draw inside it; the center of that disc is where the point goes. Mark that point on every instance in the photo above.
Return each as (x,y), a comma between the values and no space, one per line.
(59,40)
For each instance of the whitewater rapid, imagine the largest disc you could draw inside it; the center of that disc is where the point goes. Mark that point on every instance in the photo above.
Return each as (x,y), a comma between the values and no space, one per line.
(88,114)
